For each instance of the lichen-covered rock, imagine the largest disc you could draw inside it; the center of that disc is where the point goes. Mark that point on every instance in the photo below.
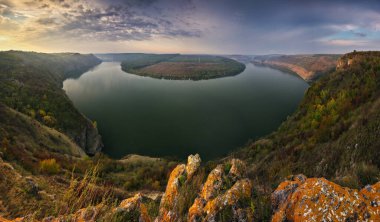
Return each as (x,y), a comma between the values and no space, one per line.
(168,211)
(132,209)
(168,205)
(210,189)
(225,195)
(240,193)
(135,204)
(317,199)
(193,163)
(213,183)
(238,169)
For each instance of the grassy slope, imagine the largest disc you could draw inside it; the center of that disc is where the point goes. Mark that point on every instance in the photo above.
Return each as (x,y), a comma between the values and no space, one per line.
(25,143)
(31,83)
(176,66)
(333,134)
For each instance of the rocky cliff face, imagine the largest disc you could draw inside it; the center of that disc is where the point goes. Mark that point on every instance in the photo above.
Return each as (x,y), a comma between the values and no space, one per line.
(89,139)
(317,199)
(308,67)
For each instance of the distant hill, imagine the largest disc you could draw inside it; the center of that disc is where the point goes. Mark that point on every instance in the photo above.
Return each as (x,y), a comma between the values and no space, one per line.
(174,66)
(308,67)
(120,57)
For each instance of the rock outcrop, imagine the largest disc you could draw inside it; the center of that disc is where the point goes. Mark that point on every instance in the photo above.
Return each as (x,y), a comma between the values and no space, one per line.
(180,175)
(90,139)
(224,194)
(131,209)
(317,199)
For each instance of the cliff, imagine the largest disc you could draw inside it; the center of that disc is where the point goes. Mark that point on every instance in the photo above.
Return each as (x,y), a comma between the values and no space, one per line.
(308,67)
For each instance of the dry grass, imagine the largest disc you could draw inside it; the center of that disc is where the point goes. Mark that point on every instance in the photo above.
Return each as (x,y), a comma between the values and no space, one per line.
(85,192)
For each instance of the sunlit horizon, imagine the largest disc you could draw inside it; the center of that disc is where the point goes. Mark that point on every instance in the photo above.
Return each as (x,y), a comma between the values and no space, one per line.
(190,26)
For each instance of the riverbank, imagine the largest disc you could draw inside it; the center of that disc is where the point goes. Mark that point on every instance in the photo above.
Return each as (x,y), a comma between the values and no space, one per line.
(308,67)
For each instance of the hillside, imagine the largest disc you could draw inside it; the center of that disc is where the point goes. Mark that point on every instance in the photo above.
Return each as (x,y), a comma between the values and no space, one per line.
(31,83)
(333,134)
(174,66)
(308,67)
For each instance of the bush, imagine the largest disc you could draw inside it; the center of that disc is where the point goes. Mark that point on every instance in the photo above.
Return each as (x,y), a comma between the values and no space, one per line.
(49,166)
(367,174)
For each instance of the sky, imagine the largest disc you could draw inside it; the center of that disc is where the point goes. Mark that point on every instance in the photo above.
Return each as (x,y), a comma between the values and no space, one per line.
(248,27)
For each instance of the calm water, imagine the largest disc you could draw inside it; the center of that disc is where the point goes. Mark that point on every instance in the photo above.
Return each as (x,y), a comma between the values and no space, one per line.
(173,117)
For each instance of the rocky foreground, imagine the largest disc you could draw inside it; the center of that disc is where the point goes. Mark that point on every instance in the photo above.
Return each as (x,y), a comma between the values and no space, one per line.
(226,195)
(317,199)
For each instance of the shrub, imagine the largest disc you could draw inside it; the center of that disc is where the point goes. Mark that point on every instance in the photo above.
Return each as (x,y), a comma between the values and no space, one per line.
(367,174)
(227,168)
(49,166)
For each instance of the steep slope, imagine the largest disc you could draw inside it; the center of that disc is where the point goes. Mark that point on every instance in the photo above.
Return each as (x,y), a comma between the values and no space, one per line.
(31,83)
(333,134)
(28,141)
(308,67)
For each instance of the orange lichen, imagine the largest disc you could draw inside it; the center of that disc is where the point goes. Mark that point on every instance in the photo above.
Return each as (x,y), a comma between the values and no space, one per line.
(214,197)
(317,199)
(169,199)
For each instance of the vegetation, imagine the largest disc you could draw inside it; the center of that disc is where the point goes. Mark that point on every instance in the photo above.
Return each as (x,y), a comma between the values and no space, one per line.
(49,166)
(41,138)
(31,83)
(174,66)
(333,134)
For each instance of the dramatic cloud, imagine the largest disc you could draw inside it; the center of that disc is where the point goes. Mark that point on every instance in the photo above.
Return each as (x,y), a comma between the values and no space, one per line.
(190,26)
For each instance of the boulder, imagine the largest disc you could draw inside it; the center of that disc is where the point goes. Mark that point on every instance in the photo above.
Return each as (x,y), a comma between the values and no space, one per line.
(132,205)
(317,199)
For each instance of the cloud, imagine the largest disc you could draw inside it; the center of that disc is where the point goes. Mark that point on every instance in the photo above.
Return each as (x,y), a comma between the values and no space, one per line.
(101,20)
(215,26)
(46,21)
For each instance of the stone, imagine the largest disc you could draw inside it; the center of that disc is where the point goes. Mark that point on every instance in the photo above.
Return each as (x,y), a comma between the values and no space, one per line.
(216,197)
(193,163)
(317,199)
(169,200)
